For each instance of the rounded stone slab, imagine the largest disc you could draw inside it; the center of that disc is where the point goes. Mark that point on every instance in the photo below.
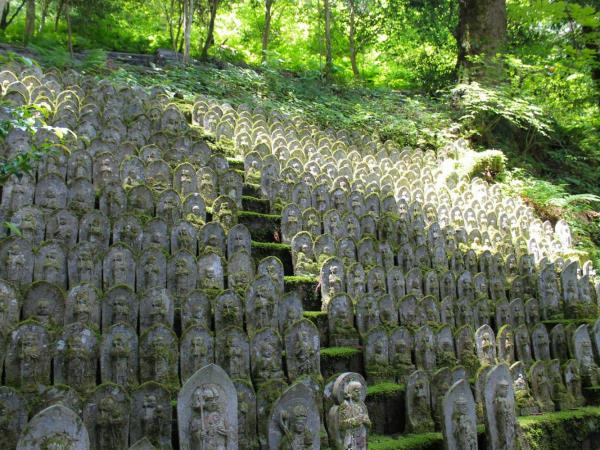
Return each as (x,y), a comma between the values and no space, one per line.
(55,425)
(210,380)
(297,399)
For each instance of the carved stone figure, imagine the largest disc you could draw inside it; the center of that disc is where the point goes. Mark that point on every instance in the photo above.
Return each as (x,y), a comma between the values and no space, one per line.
(499,405)
(295,423)
(119,356)
(28,357)
(13,416)
(150,414)
(207,409)
(56,427)
(348,419)
(106,417)
(418,404)
(459,421)
(75,362)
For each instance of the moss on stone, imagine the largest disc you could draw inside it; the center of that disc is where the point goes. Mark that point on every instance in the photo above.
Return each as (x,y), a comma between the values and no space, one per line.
(251,189)
(255,204)
(307,288)
(262,227)
(315,315)
(261,250)
(385,389)
(339,352)
(426,441)
(236,164)
(563,429)
(551,323)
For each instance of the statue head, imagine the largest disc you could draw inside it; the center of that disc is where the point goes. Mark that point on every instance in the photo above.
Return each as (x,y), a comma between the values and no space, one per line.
(300,414)
(353,391)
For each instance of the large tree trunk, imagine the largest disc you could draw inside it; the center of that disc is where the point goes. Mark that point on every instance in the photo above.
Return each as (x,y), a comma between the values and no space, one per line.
(481,29)
(5,21)
(188,15)
(267,30)
(214,6)
(29,20)
(328,70)
(61,5)
(67,7)
(5,10)
(45,7)
(352,40)
(593,46)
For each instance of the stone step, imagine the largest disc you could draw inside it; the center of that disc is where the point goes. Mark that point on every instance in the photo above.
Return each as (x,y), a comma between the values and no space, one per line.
(262,227)
(261,250)
(308,289)
(255,204)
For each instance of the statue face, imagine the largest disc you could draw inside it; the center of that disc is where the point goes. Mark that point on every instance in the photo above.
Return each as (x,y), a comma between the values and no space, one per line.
(299,422)
(149,407)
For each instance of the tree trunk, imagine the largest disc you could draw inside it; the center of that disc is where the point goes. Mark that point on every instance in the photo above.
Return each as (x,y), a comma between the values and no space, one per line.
(267,30)
(61,5)
(67,7)
(328,56)
(5,10)
(29,20)
(593,46)
(188,15)
(45,7)
(214,6)
(352,41)
(481,29)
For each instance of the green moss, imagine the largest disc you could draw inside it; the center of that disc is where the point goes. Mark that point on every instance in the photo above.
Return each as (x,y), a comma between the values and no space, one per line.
(307,288)
(296,279)
(251,189)
(251,214)
(262,227)
(385,389)
(272,246)
(237,164)
(261,250)
(315,315)
(563,429)
(255,204)
(339,352)
(566,322)
(424,441)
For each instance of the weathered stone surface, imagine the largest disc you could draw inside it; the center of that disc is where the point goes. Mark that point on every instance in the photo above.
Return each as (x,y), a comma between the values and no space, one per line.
(295,420)
(207,411)
(55,427)
(459,418)
(106,417)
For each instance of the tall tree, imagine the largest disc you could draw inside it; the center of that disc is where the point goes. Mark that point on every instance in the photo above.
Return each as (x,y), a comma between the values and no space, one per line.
(6,18)
(29,20)
(210,32)
(267,29)
(352,38)
(481,29)
(45,8)
(328,69)
(188,16)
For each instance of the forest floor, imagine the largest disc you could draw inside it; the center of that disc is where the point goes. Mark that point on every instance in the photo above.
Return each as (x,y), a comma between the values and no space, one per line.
(556,184)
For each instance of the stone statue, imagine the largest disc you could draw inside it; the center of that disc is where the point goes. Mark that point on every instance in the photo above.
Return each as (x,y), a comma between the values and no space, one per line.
(349,419)
(460,423)
(207,411)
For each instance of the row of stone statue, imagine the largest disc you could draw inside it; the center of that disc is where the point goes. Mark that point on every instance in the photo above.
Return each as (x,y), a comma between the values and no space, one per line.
(50,194)
(173,122)
(212,413)
(87,263)
(308,165)
(209,415)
